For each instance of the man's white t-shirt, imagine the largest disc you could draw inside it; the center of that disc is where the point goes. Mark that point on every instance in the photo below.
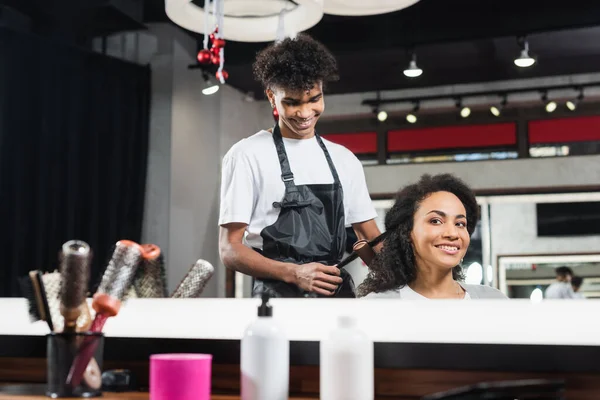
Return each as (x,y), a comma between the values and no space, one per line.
(251,181)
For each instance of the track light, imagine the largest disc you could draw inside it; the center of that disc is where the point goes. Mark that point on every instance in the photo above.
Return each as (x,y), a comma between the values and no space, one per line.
(413,70)
(496,110)
(382,115)
(572,104)
(550,106)
(464,111)
(210,88)
(524,60)
(411,117)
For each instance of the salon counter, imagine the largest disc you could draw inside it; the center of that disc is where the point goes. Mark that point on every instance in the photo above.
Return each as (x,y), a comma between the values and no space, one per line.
(23,392)
(420,347)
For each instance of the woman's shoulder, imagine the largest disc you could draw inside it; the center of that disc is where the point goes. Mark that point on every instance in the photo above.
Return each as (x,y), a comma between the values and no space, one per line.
(484,292)
(388,294)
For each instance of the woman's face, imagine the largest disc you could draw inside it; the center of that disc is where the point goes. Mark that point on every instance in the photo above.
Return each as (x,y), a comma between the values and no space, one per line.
(439,235)
(298,110)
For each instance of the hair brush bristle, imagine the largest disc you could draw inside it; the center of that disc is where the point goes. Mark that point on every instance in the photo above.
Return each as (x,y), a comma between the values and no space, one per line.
(150,279)
(31,291)
(75,275)
(195,280)
(121,269)
(50,286)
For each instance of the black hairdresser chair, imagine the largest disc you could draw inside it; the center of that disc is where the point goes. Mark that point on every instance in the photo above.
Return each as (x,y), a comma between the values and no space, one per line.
(505,390)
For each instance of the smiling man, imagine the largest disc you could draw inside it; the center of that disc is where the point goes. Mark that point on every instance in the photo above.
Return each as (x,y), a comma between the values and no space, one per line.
(287,195)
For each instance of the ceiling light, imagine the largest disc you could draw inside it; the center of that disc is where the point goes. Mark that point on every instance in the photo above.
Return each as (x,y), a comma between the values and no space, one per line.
(496,110)
(536,295)
(210,88)
(474,274)
(464,111)
(524,60)
(413,70)
(362,8)
(572,104)
(411,117)
(550,106)
(382,115)
(248,20)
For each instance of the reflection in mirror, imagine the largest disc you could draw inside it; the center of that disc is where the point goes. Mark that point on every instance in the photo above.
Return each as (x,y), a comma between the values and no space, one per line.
(523,277)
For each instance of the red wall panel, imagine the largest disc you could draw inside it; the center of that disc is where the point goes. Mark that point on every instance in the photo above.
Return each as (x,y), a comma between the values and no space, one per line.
(451,137)
(358,143)
(564,130)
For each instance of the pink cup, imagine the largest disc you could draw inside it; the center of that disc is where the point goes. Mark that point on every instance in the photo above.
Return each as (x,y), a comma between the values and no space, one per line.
(180,376)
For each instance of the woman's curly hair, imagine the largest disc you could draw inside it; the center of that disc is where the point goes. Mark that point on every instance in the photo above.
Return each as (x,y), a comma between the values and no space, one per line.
(295,64)
(394,267)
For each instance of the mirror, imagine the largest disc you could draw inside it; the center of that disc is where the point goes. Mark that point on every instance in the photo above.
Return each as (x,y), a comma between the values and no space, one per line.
(523,277)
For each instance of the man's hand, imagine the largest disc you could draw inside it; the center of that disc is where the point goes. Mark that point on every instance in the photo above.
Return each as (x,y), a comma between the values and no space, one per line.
(318,278)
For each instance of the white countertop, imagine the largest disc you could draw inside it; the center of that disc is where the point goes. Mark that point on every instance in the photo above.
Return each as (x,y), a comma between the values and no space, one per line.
(559,322)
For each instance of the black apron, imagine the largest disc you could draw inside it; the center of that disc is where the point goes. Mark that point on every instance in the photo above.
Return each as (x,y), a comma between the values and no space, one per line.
(310,228)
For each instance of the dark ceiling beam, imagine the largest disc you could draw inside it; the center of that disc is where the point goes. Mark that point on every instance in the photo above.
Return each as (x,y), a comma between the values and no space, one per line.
(500,93)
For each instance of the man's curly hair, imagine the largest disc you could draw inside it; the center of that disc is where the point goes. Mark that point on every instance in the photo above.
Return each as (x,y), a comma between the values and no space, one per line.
(395,267)
(295,64)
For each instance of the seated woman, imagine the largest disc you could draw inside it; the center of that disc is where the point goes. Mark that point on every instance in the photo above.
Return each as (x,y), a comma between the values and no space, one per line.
(429,233)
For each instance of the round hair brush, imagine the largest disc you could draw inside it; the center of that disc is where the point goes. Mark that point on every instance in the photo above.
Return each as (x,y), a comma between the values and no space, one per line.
(195,280)
(150,279)
(75,276)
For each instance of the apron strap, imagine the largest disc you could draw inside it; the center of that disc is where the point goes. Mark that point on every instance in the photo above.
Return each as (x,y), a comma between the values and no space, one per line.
(286,173)
(336,178)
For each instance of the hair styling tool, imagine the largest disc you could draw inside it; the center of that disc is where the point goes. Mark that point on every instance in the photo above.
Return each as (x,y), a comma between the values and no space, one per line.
(32,288)
(75,276)
(195,280)
(116,280)
(150,278)
(75,261)
(42,291)
(363,248)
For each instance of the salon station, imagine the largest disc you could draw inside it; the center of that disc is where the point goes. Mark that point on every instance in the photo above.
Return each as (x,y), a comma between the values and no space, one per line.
(308,199)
